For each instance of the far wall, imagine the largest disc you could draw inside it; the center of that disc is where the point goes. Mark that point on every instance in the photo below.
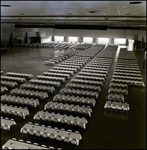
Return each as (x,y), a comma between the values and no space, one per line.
(20,33)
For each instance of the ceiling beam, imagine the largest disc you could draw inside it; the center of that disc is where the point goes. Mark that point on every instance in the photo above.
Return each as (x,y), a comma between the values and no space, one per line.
(77,16)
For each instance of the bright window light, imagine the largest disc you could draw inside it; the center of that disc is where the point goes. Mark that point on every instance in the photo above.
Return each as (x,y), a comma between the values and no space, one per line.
(73,39)
(59,38)
(103,40)
(46,40)
(88,40)
(42,40)
(130,46)
(119,41)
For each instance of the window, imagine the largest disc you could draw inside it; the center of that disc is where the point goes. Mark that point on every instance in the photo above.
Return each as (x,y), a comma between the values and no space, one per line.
(130,46)
(42,40)
(46,40)
(87,40)
(103,40)
(59,38)
(73,39)
(119,41)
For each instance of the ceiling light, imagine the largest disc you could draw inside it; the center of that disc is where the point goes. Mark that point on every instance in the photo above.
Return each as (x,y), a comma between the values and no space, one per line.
(127,13)
(93,11)
(69,13)
(135,2)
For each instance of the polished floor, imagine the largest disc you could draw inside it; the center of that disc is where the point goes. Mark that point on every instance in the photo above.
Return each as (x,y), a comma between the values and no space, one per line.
(105,129)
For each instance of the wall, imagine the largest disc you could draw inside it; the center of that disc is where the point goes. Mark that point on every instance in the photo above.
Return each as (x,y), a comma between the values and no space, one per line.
(20,33)
(6,29)
(136,35)
(91,33)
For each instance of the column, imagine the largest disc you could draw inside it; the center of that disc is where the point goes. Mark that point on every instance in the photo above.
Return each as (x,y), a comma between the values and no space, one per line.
(80,40)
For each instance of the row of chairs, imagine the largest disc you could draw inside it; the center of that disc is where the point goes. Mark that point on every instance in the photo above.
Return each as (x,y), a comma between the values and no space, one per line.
(92,70)
(69,66)
(126,71)
(84,87)
(22,75)
(66,69)
(79,59)
(118,85)
(120,106)
(118,91)
(93,74)
(127,77)
(59,118)
(44,82)
(61,71)
(100,68)
(88,82)
(79,92)
(58,59)
(9,84)
(129,82)
(20,100)
(71,99)
(127,74)
(29,93)
(53,74)
(101,61)
(7,124)
(71,52)
(14,110)
(14,144)
(104,66)
(51,133)
(59,106)
(127,64)
(76,63)
(19,80)
(4,89)
(124,54)
(92,51)
(31,86)
(91,78)
(116,97)
(108,52)
(51,78)
(134,68)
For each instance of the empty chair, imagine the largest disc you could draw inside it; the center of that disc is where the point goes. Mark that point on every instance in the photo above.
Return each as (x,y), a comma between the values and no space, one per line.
(24,131)
(37,133)
(51,136)
(43,146)
(73,141)
(31,132)
(66,139)
(29,142)
(44,135)
(58,138)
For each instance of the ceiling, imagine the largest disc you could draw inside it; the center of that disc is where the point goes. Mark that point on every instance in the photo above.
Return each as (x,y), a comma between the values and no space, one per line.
(78,14)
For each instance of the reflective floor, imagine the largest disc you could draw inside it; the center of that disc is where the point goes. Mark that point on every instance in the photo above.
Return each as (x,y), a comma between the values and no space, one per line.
(105,129)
